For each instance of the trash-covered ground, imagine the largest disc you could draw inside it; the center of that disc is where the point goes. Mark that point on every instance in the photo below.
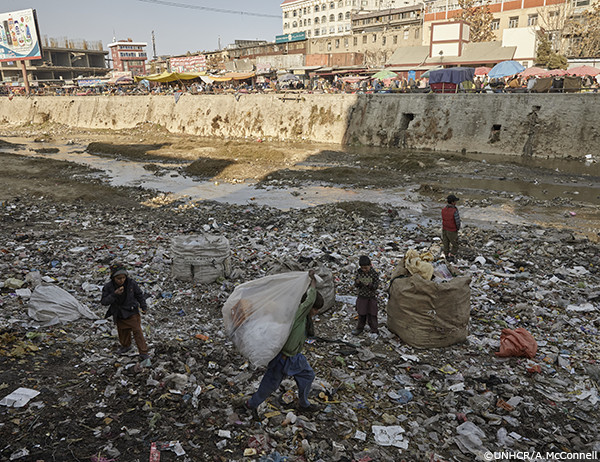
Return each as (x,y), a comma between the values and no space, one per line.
(382,399)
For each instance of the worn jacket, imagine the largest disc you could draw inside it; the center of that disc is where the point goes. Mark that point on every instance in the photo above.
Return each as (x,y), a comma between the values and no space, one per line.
(450,218)
(366,283)
(125,305)
(297,336)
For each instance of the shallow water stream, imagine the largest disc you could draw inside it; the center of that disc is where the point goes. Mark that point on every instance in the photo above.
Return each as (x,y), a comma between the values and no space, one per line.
(483,176)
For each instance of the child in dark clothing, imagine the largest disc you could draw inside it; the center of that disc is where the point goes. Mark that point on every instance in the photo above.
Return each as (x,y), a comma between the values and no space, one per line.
(125,299)
(366,282)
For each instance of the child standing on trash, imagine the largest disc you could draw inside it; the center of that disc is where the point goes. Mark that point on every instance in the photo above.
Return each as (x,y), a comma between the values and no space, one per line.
(366,283)
(126,300)
(290,361)
(450,227)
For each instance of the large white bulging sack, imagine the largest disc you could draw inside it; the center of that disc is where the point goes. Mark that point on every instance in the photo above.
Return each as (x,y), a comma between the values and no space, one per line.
(52,302)
(202,258)
(259,314)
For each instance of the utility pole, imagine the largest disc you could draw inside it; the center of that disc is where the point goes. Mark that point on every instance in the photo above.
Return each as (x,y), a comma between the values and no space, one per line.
(154,45)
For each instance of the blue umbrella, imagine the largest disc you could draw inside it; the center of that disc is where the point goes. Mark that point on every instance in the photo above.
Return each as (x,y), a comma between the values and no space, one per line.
(505,68)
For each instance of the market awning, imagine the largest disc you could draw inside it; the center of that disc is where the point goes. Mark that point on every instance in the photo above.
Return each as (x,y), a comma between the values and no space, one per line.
(123,80)
(232,76)
(170,76)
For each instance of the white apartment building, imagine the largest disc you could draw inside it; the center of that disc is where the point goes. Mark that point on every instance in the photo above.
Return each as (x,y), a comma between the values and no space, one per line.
(322,18)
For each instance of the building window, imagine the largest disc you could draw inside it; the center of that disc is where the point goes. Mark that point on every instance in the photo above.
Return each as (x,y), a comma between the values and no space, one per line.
(532,20)
(324,31)
(324,19)
(332,30)
(513,22)
(286,26)
(331,5)
(286,14)
(295,24)
(355,41)
(495,24)
(395,40)
(374,38)
(383,40)
(331,17)
(406,34)
(309,21)
(346,42)
(347,15)
(340,28)
(417,32)
(341,17)
(341,4)
(316,20)
(348,2)
(317,32)
(295,13)
(328,46)
(323,7)
(316,8)
(364,39)
(337,43)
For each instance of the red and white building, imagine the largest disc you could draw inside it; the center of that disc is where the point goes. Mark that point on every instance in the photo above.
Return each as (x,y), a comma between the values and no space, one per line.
(129,56)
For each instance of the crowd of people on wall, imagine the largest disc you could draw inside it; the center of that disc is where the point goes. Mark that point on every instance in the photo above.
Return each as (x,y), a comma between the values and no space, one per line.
(325,84)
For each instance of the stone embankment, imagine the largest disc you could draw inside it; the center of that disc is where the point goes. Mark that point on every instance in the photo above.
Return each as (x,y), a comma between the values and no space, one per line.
(550,125)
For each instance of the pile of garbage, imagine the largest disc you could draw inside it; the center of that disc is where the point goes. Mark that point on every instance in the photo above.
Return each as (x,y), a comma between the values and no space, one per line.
(64,390)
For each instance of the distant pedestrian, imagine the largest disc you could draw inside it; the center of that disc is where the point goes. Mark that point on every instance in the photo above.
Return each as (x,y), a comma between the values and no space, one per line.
(125,300)
(366,283)
(450,227)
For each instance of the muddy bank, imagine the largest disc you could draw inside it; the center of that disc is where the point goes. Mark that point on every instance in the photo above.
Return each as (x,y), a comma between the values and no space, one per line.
(527,125)
(558,193)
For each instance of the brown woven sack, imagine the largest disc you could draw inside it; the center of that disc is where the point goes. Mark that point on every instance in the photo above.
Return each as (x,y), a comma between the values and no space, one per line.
(427,314)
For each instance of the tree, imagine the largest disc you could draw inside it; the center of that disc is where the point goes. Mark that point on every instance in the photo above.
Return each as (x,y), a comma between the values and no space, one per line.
(557,23)
(586,32)
(479,18)
(546,56)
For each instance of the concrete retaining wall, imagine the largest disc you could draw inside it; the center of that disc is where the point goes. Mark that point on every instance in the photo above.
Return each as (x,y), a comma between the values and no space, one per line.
(514,124)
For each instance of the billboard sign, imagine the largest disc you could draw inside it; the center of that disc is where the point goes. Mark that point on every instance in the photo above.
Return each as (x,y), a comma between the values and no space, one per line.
(293,37)
(19,36)
(188,64)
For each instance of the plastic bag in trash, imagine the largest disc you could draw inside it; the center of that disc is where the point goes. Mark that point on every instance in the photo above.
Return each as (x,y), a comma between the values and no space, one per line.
(259,314)
(518,342)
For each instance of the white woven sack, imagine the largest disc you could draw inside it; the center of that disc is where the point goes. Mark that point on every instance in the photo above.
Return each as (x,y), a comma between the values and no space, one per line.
(51,302)
(202,258)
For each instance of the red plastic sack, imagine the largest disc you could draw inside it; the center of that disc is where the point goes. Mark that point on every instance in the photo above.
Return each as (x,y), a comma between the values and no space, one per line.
(518,342)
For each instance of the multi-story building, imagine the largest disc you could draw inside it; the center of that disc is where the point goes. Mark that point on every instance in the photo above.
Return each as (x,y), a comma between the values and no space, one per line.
(318,18)
(375,36)
(508,14)
(62,59)
(129,56)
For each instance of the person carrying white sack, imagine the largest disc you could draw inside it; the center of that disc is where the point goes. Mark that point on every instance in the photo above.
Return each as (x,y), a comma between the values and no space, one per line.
(290,361)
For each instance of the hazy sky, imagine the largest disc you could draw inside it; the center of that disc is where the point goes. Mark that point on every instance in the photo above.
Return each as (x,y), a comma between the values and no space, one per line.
(176,29)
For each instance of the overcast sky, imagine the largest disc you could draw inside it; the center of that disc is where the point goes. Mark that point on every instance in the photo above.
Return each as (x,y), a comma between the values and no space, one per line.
(177,29)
